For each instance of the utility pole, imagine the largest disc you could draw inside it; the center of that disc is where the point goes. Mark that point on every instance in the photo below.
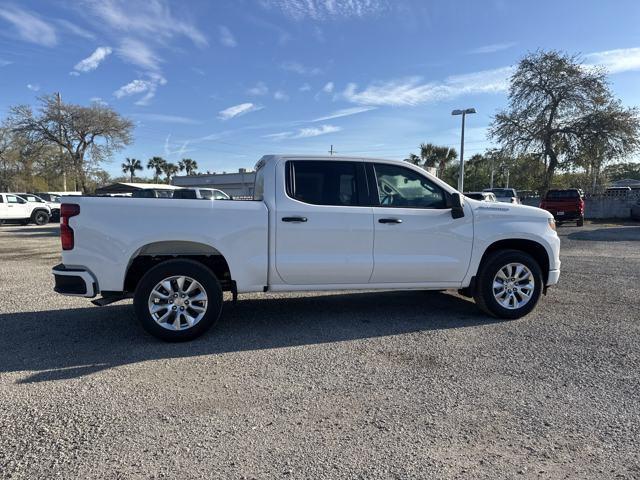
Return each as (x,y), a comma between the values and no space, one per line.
(332,151)
(492,166)
(60,153)
(461,174)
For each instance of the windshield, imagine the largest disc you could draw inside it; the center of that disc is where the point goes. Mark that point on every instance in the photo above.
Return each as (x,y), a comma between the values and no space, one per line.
(504,192)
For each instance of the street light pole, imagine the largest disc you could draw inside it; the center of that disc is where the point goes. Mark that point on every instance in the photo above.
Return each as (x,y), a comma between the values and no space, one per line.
(461,174)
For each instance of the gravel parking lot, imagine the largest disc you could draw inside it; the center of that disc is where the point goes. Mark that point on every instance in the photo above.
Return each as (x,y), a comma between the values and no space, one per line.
(349,385)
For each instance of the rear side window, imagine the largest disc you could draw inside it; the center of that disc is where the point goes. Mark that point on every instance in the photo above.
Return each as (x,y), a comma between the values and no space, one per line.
(325,183)
(189,194)
(401,187)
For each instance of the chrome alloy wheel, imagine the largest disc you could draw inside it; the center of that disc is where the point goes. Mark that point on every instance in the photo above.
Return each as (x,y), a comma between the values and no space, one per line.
(177,303)
(513,286)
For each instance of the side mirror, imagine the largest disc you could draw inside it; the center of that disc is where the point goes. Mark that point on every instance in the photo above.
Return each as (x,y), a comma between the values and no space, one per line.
(457,205)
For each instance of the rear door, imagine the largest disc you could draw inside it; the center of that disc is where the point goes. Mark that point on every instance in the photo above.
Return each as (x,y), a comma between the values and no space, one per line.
(416,238)
(324,225)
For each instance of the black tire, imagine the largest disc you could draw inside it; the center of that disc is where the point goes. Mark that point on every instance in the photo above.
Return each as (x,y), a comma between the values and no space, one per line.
(580,222)
(40,217)
(483,294)
(178,267)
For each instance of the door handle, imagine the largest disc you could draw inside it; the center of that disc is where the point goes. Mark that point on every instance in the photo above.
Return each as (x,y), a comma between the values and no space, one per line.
(294,219)
(389,220)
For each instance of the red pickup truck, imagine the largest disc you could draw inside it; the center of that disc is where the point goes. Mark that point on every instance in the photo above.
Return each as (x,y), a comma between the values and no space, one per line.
(565,205)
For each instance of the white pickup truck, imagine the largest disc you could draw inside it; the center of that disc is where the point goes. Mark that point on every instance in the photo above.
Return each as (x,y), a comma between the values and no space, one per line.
(316,223)
(15,208)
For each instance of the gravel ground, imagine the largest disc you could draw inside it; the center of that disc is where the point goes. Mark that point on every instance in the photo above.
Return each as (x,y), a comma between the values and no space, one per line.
(331,385)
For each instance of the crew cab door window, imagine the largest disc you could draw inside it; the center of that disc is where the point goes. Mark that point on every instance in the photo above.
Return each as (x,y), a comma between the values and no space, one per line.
(404,188)
(324,183)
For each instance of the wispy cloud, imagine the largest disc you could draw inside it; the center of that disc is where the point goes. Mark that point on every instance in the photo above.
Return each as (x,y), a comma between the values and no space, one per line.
(326,9)
(93,61)
(151,18)
(139,86)
(259,89)
(493,48)
(413,91)
(296,67)
(305,87)
(75,29)
(280,95)
(98,100)
(33,87)
(226,37)
(328,88)
(162,118)
(304,133)
(139,54)
(29,26)
(345,112)
(238,110)
(4,63)
(616,61)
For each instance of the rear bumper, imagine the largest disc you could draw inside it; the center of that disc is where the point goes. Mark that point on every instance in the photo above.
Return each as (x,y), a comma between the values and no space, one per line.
(571,215)
(77,282)
(554,276)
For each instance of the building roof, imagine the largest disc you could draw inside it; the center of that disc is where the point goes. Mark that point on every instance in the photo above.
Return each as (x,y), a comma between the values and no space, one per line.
(626,182)
(124,187)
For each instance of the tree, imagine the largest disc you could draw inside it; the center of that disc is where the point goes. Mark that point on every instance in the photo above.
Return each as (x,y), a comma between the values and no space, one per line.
(169,169)
(433,156)
(157,164)
(559,108)
(89,135)
(188,165)
(130,166)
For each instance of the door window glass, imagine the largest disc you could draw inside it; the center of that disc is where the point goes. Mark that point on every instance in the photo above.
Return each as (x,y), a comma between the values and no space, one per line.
(14,199)
(323,183)
(403,188)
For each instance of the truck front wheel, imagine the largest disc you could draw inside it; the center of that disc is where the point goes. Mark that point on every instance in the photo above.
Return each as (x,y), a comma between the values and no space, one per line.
(509,284)
(178,300)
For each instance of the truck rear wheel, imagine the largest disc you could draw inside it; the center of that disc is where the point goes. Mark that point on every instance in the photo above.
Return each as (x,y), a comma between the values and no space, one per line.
(178,300)
(509,284)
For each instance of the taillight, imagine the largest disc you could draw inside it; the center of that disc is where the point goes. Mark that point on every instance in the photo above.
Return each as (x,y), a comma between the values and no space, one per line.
(67,210)
(581,205)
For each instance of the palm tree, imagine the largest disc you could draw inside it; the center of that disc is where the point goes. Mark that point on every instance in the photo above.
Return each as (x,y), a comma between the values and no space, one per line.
(188,165)
(169,169)
(130,166)
(157,164)
(436,156)
(413,158)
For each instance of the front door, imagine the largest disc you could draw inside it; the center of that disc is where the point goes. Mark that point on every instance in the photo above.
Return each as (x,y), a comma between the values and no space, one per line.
(416,239)
(323,235)
(16,207)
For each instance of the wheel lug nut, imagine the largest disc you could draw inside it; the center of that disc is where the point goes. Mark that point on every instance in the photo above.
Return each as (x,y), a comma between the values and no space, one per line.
(174,308)
(170,301)
(186,302)
(175,295)
(181,308)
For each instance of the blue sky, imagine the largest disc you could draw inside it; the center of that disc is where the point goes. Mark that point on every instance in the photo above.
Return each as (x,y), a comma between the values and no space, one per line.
(225,82)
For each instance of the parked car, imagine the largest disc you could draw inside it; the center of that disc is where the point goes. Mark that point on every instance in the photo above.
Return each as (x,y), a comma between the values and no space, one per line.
(505,195)
(153,193)
(201,194)
(49,197)
(53,206)
(14,208)
(482,196)
(635,210)
(311,226)
(565,205)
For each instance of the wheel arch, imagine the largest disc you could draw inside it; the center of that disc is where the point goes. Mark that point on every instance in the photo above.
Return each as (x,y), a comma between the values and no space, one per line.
(536,249)
(152,254)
